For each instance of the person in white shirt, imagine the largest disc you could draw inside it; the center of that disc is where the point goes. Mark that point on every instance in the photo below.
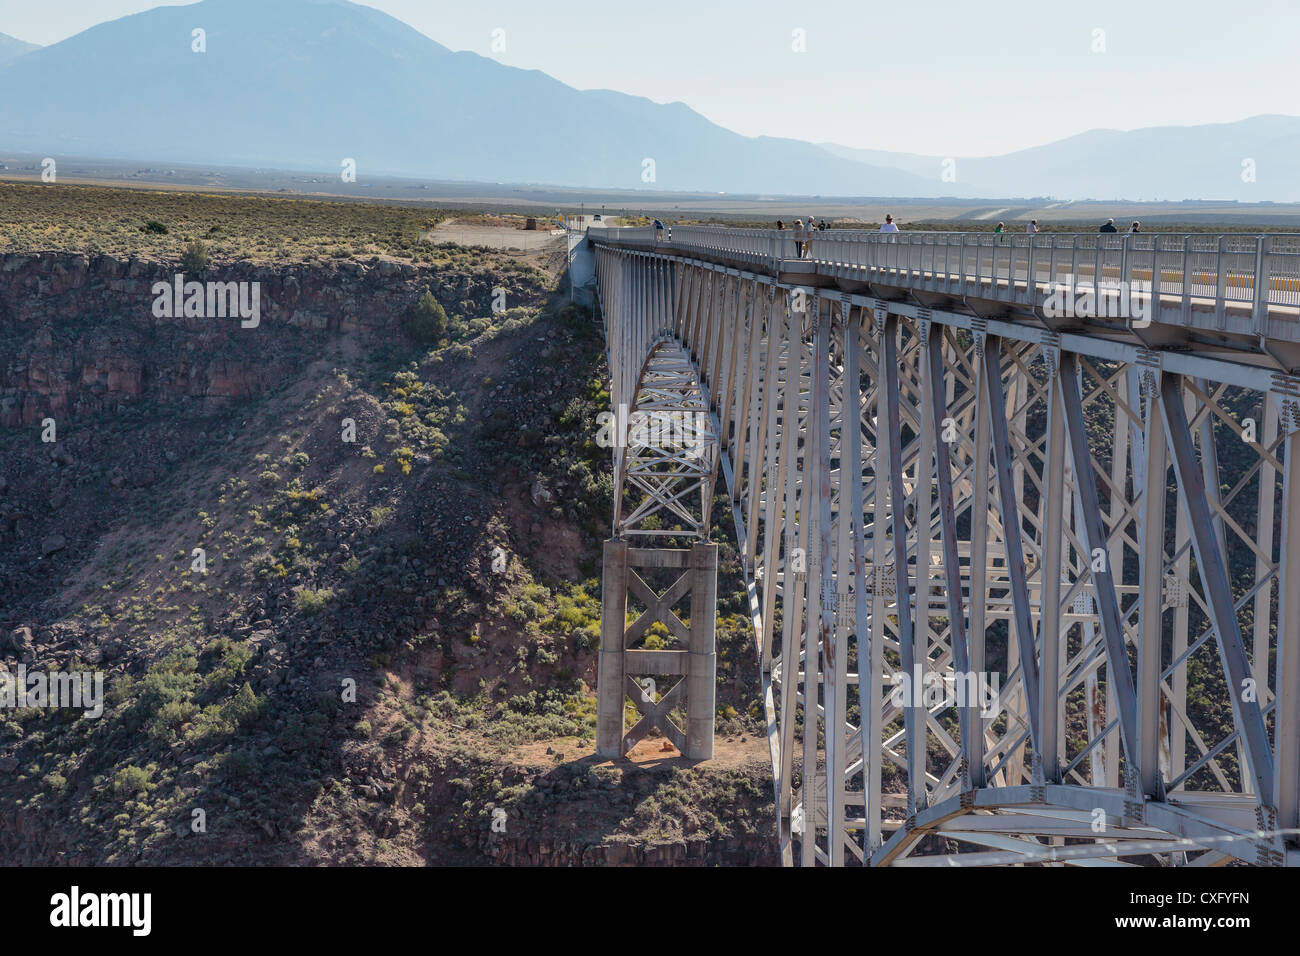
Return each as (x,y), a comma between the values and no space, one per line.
(1032,228)
(888,225)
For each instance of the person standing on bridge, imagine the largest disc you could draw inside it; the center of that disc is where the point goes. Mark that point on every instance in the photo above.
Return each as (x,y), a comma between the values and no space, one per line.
(659,231)
(798,238)
(1000,230)
(1032,228)
(888,225)
(1108,226)
(1133,230)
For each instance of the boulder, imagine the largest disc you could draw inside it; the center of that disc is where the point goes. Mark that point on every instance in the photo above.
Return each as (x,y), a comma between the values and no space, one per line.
(541,494)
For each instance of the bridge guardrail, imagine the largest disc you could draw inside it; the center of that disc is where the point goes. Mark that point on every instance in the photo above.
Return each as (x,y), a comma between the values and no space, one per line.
(1260,271)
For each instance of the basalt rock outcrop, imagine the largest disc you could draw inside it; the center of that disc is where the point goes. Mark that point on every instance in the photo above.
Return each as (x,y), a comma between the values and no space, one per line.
(82,338)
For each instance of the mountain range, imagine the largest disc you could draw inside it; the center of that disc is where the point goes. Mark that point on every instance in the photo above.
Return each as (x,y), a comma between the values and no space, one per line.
(1250,160)
(308,84)
(11,48)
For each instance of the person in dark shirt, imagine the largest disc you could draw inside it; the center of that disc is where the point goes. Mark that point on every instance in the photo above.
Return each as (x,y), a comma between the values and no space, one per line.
(1108,226)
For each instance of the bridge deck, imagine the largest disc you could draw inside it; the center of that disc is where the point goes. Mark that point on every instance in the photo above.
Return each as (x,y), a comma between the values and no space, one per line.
(1238,291)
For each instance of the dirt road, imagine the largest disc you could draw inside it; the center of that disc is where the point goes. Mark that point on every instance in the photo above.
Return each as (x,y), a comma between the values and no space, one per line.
(504,237)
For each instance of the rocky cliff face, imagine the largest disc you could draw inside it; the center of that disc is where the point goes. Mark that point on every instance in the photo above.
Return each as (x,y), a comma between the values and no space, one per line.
(134,396)
(82,338)
(369,560)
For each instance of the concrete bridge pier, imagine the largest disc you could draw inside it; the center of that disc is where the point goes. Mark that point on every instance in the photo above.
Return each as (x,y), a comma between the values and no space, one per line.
(610,673)
(702,659)
(694,666)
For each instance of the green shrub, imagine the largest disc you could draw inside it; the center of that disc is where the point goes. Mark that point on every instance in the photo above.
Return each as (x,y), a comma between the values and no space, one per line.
(195,257)
(170,718)
(313,602)
(244,708)
(170,680)
(131,780)
(428,323)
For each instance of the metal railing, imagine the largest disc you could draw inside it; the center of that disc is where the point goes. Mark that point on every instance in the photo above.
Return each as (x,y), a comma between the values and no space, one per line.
(1254,273)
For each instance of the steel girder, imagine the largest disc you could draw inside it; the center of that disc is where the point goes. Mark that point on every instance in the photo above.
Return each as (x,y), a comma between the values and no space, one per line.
(664,485)
(923,496)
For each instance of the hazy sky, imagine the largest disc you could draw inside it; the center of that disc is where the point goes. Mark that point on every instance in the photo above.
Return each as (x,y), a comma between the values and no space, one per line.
(945,77)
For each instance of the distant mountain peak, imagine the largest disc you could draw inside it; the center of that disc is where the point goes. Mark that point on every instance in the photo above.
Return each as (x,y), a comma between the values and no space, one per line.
(264,4)
(309,84)
(1250,160)
(11,48)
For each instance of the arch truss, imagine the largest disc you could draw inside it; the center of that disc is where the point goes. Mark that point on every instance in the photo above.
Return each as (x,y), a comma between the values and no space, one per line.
(670,450)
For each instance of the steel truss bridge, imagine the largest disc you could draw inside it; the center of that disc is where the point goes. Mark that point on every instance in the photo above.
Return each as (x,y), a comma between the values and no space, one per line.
(934,475)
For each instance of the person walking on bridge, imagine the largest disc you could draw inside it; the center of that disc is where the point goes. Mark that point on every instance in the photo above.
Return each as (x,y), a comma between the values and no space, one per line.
(798,238)
(888,225)
(1108,226)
